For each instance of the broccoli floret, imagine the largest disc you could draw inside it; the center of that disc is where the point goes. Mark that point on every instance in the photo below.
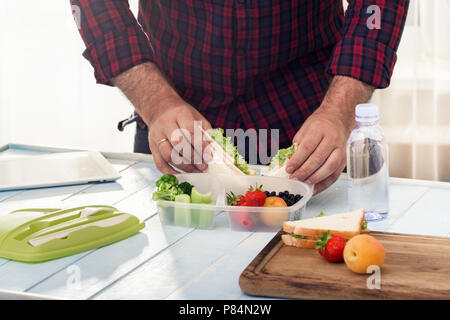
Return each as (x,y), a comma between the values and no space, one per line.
(168,180)
(185,187)
(167,188)
(168,194)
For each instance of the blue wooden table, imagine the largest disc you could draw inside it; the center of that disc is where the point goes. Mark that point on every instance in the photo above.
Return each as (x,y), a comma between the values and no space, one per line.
(164,262)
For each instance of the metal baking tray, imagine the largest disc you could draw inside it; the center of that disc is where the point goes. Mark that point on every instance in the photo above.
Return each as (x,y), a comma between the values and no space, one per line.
(27,170)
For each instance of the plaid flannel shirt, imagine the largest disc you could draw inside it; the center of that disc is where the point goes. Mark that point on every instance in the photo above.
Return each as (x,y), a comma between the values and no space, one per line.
(246,63)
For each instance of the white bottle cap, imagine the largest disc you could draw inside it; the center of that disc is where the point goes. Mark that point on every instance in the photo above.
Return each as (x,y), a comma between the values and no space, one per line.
(366,113)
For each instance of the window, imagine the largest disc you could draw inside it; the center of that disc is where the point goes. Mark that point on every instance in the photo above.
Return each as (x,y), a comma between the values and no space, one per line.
(415,109)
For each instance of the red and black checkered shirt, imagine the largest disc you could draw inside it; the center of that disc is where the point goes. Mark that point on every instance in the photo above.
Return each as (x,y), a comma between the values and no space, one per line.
(246,63)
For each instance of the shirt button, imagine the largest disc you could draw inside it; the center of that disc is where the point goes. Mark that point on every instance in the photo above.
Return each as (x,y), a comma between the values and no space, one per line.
(240,51)
(240,98)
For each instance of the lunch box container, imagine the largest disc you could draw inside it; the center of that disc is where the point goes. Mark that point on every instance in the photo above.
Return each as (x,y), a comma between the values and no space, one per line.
(240,218)
(36,235)
(263,219)
(193,215)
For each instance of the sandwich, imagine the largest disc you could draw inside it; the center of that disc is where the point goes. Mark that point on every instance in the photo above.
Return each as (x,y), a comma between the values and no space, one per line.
(225,157)
(277,167)
(305,233)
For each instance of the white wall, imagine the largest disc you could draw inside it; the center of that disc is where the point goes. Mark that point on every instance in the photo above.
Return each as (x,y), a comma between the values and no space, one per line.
(4,123)
(48,93)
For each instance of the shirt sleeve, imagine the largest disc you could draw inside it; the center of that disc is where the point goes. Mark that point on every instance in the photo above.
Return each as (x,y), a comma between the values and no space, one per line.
(114,40)
(367,51)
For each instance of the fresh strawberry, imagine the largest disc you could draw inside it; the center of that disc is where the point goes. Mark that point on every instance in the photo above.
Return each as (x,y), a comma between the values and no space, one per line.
(255,197)
(241,201)
(232,199)
(331,247)
(244,219)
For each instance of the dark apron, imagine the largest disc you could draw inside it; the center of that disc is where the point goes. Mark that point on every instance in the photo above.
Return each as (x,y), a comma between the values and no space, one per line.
(141,138)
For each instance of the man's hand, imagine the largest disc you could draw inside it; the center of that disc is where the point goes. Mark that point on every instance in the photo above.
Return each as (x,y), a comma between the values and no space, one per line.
(321,152)
(164,112)
(174,115)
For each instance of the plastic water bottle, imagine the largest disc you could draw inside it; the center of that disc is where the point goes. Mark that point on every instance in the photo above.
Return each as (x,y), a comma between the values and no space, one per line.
(368,165)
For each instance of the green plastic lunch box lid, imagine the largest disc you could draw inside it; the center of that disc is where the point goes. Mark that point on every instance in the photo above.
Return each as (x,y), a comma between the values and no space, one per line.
(36,235)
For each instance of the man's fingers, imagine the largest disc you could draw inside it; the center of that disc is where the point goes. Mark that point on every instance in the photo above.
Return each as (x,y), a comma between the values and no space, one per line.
(328,168)
(205,143)
(324,184)
(306,147)
(172,156)
(205,123)
(160,163)
(194,136)
(166,150)
(316,159)
(177,150)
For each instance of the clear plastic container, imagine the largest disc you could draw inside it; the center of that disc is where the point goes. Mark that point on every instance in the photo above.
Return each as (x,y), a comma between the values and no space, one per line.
(263,219)
(193,215)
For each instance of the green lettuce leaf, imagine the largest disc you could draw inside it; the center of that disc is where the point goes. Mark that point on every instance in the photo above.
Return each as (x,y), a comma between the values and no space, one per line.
(321,214)
(226,144)
(364,225)
(282,156)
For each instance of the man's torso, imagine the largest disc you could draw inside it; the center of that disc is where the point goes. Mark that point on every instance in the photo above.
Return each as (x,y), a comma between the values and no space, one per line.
(246,63)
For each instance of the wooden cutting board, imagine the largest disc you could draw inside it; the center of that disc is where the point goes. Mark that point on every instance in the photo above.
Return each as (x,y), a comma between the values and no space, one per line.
(415,267)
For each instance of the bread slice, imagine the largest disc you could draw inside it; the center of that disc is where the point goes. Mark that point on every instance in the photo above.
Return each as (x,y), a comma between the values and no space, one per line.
(280,169)
(221,162)
(279,172)
(300,243)
(346,225)
(289,226)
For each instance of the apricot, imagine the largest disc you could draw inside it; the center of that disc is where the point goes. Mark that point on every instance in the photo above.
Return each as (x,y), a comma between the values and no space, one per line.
(275,202)
(363,251)
(274,218)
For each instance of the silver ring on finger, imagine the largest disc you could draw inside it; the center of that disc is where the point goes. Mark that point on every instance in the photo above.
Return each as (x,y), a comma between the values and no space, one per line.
(161,141)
